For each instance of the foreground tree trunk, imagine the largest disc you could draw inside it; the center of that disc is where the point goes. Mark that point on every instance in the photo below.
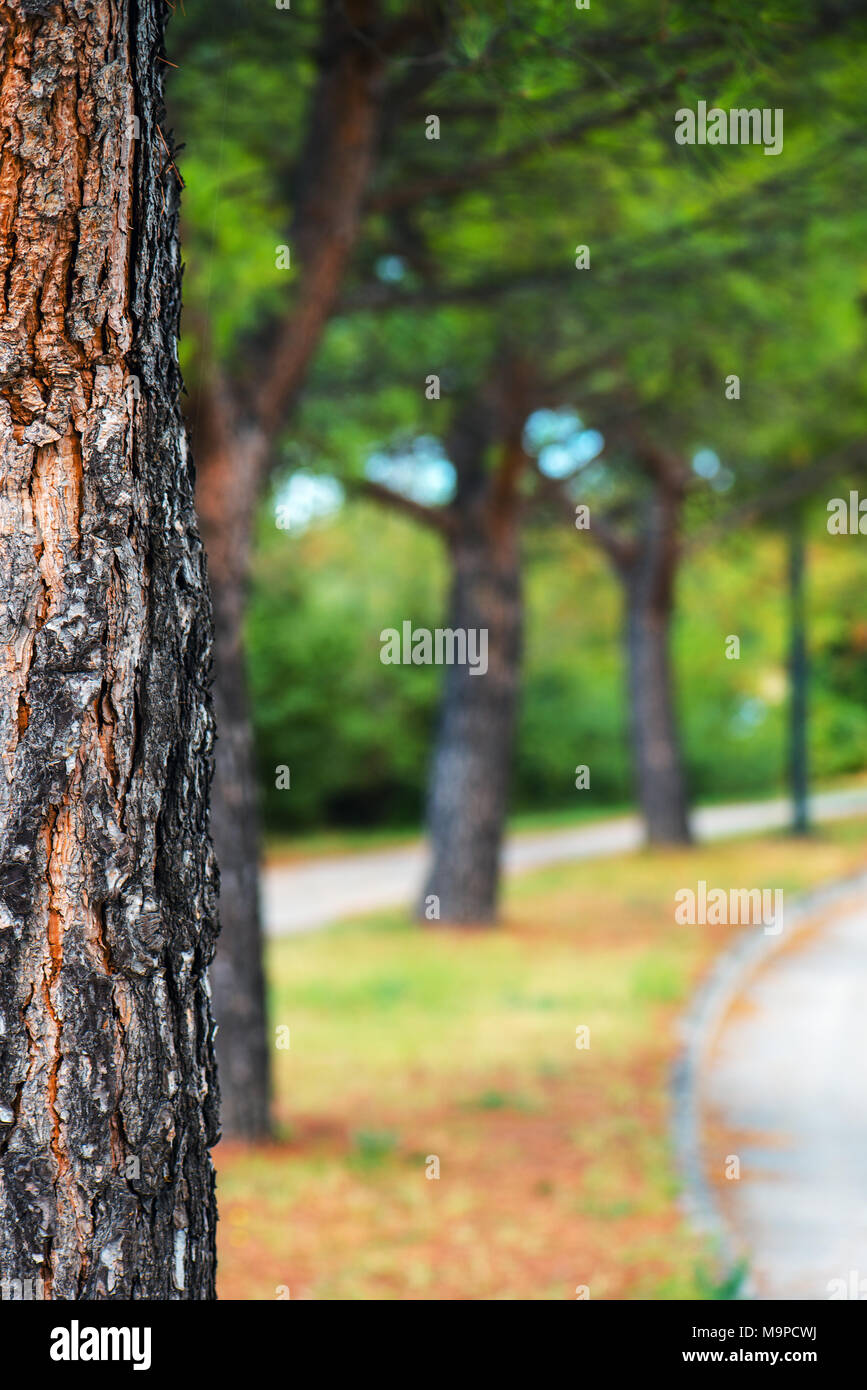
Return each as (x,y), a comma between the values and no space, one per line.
(107,1090)
(469,779)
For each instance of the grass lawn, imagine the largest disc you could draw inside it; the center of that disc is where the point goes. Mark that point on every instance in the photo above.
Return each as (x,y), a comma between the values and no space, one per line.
(555,1164)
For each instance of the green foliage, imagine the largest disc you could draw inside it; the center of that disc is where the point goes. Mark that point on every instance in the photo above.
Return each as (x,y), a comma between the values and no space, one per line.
(705,261)
(356,734)
(356,741)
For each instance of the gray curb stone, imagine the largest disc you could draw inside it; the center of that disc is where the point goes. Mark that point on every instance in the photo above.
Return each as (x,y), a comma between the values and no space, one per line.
(698,1028)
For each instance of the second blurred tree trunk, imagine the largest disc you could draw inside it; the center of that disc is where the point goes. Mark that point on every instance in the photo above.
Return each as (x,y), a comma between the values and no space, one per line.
(658,768)
(798,681)
(471,765)
(234,430)
(469,778)
(229,464)
(647,568)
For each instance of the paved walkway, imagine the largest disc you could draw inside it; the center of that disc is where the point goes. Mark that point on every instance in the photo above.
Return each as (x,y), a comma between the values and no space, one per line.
(785,1088)
(300,897)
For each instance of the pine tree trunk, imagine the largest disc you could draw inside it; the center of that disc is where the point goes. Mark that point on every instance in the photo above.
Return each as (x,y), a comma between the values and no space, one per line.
(234,429)
(798,682)
(227,489)
(107,1090)
(237,974)
(470,772)
(660,783)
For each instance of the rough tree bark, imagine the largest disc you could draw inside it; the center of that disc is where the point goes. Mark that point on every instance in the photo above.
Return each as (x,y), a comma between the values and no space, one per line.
(107,922)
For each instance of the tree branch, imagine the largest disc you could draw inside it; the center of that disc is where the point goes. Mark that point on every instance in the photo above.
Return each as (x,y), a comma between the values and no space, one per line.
(458,181)
(793,489)
(619,548)
(439,518)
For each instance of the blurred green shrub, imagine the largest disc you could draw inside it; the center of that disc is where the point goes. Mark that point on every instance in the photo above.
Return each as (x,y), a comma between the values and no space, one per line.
(356,734)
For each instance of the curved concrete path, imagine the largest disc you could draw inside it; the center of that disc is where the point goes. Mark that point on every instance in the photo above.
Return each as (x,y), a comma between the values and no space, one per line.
(785,1089)
(300,897)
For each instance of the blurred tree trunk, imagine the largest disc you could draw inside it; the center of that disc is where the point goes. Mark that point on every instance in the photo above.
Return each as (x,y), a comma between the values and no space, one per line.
(647,569)
(234,431)
(107,1088)
(227,491)
(657,762)
(472,758)
(645,558)
(798,680)
(469,779)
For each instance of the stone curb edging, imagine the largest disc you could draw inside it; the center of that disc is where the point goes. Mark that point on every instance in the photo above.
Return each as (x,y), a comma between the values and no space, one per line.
(698,1028)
